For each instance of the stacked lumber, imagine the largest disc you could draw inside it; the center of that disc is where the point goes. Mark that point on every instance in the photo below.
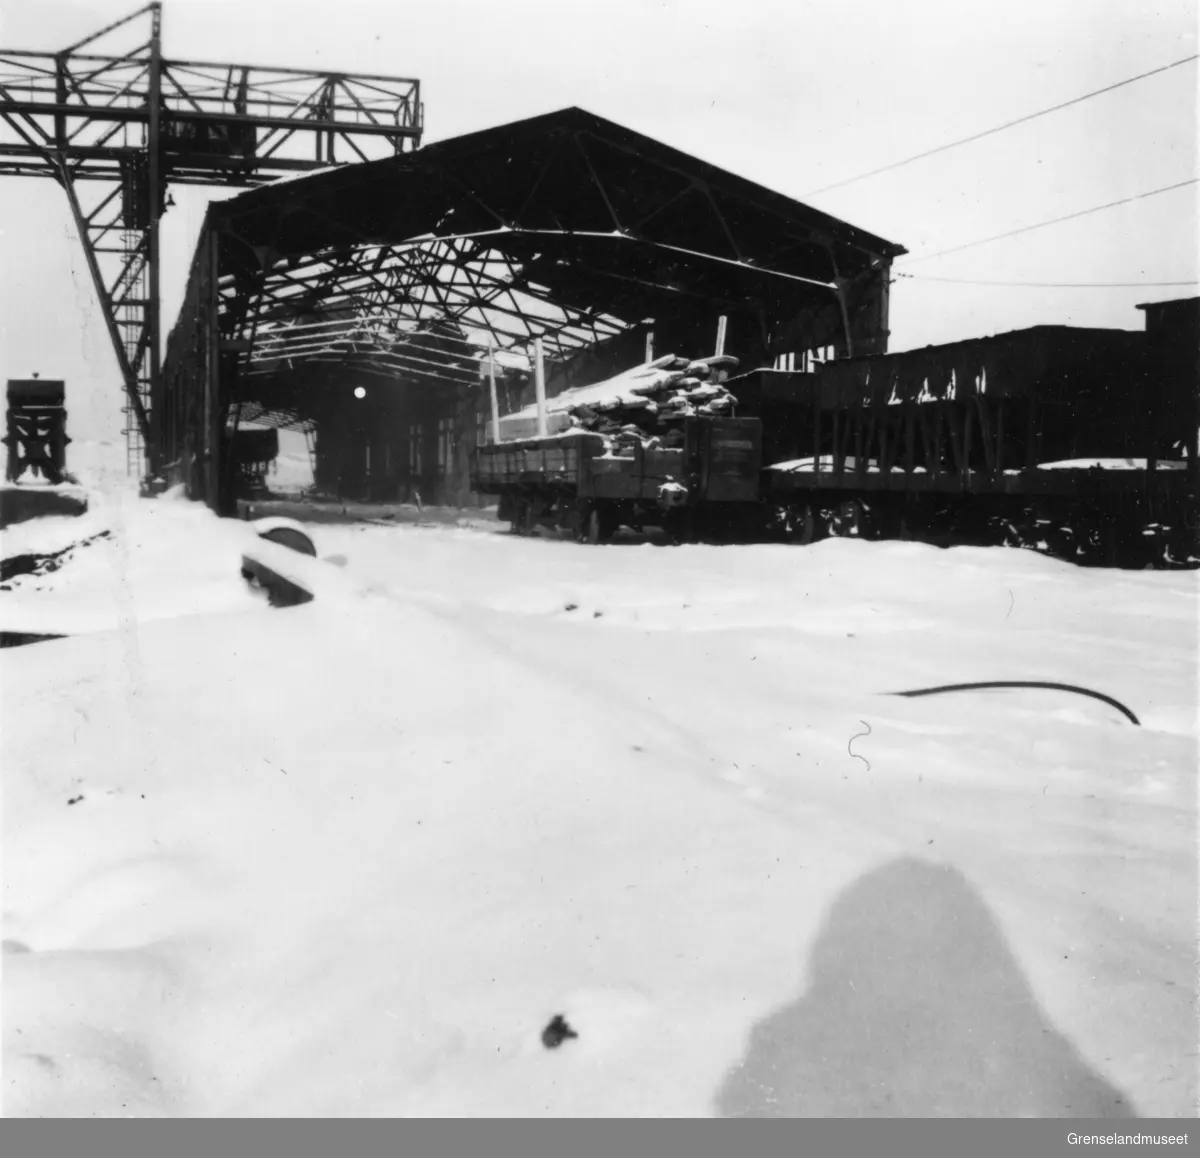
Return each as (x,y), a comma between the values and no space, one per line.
(644,405)
(649,403)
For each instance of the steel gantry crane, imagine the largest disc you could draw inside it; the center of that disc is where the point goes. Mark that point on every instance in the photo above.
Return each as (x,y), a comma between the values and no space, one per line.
(117,129)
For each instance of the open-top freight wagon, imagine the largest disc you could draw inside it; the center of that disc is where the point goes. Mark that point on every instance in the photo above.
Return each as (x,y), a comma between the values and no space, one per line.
(1078,442)
(251,452)
(36,434)
(581,482)
(656,446)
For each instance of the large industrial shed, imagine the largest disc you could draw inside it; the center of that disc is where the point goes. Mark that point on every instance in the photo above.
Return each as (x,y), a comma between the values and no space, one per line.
(360,304)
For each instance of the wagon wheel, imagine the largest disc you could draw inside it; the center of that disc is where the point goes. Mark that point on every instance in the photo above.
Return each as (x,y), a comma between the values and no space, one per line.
(594,527)
(520,517)
(1093,541)
(849,519)
(291,537)
(1181,544)
(570,521)
(531,516)
(680,527)
(1068,542)
(1156,545)
(585,524)
(1015,531)
(891,519)
(799,523)
(597,525)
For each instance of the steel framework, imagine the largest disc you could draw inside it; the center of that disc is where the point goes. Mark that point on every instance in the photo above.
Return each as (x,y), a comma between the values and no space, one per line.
(132,123)
(423,268)
(382,298)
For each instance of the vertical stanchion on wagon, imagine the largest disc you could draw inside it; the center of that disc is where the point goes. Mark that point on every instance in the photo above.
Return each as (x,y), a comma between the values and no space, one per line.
(539,382)
(492,387)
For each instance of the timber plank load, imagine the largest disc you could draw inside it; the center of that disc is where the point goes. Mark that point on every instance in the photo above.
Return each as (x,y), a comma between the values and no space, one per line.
(658,445)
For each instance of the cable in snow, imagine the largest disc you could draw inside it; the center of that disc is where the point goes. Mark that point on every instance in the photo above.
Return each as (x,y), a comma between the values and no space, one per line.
(859,736)
(1022,684)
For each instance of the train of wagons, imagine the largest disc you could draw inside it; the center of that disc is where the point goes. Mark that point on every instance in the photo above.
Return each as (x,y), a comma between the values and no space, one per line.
(1077,442)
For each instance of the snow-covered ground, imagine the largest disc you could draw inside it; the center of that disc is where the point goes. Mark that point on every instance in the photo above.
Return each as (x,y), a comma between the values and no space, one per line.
(351,858)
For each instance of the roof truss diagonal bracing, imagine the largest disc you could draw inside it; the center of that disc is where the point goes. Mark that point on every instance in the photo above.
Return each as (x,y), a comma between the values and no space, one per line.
(380,293)
(565,228)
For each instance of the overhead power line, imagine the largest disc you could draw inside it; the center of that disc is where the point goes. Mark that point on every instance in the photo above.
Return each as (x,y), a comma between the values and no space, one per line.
(1052,221)
(1000,128)
(1051,284)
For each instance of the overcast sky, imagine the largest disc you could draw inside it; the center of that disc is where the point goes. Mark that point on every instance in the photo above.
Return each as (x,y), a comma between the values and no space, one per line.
(795,95)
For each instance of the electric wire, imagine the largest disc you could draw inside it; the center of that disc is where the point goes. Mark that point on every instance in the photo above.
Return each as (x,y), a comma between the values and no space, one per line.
(1051,221)
(1049,284)
(1001,128)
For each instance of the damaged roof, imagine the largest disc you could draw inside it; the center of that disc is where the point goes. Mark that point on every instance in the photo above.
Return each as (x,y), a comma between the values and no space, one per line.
(567,172)
(566,227)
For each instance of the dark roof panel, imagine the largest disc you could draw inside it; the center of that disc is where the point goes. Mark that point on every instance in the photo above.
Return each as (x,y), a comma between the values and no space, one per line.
(564,172)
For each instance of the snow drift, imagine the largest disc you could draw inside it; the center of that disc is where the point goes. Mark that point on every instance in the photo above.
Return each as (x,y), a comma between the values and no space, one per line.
(353,858)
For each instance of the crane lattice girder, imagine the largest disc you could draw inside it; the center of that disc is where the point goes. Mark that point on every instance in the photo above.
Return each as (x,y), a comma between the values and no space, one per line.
(137,122)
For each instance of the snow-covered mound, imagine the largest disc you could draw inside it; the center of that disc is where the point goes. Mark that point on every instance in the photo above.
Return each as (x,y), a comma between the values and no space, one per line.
(130,561)
(354,858)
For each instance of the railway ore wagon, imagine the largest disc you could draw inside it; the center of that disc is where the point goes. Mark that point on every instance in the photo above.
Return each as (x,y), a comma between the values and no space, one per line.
(251,451)
(36,435)
(580,482)
(1078,442)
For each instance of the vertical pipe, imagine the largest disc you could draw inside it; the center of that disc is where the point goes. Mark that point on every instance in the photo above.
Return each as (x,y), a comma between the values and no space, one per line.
(492,387)
(884,321)
(213,423)
(649,346)
(539,383)
(839,289)
(722,322)
(156,178)
(841,300)
(60,96)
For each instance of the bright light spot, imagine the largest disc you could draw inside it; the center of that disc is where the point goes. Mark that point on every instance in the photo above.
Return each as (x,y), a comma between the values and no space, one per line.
(360,391)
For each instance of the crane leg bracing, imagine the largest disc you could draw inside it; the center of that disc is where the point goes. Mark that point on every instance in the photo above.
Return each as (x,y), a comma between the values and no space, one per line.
(117,128)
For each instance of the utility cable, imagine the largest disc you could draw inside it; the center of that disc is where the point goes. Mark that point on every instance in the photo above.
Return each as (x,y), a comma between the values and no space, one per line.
(1052,221)
(1050,284)
(1001,128)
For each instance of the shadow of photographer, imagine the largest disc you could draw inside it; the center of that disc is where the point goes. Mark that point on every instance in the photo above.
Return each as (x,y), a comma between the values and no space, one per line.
(916,1007)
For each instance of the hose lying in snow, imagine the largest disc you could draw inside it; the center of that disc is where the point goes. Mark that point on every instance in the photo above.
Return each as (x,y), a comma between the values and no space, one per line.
(1023,684)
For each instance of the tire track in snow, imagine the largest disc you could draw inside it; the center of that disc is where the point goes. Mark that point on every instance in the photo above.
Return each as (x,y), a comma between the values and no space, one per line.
(516,646)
